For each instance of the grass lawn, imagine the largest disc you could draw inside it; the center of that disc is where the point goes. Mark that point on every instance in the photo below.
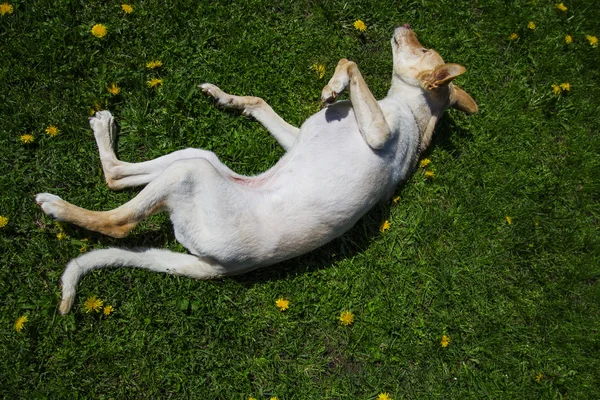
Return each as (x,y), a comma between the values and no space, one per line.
(498,253)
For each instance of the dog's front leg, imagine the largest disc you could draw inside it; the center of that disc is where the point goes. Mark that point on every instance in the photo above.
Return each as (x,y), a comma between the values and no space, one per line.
(371,121)
(257,108)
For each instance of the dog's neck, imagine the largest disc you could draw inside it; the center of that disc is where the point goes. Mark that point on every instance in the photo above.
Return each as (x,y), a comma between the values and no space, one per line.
(425,106)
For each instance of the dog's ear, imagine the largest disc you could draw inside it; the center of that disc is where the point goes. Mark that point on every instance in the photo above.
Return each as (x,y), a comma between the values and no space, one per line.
(440,76)
(461,100)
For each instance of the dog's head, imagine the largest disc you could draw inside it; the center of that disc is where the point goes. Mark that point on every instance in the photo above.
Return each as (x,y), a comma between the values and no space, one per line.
(425,68)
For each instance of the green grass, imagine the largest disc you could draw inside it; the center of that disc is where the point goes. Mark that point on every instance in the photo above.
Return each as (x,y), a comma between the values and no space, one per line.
(518,301)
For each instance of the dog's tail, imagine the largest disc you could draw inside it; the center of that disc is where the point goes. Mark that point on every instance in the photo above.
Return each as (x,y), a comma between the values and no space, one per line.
(152,259)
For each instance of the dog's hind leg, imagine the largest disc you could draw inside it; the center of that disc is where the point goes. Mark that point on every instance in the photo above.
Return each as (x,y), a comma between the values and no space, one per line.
(105,132)
(120,174)
(152,259)
(177,178)
(124,174)
(116,223)
(283,132)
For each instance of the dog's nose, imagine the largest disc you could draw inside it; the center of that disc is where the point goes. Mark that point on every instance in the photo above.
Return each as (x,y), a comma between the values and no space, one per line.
(407,26)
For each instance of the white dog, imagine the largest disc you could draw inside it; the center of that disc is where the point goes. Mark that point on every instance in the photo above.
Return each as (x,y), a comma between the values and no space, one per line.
(337,166)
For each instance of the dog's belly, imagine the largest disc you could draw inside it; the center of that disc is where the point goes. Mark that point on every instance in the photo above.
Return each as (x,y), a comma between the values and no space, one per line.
(257,226)
(314,194)
(251,181)
(309,198)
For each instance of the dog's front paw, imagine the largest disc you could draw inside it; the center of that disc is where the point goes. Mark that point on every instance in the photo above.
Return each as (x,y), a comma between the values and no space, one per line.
(50,204)
(222,98)
(328,95)
(210,89)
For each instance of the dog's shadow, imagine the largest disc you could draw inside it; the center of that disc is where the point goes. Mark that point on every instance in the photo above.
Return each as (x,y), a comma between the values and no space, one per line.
(351,243)
(447,130)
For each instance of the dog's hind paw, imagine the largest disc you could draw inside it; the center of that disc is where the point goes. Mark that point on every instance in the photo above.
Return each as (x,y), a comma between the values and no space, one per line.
(102,119)
(50,204)
(103,125)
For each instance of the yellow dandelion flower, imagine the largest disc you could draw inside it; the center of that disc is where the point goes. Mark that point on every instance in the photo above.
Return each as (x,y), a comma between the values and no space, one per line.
(320,70)
(282,304)
(396,199)
(154,82)
(52,131)
(531,25)
(568,39)
(108,310)
(61,236)
(561,7)
(513,36)
(27,138)
(429,174)
(346,318)
(20,322)
(539,377)
(566,87)
(127,8)
(385,226)
(360,25)
(92,304)
(99,30)
(6,8)
(274,398)
(508,220)
(154,64)
(425,162)
(113,89)
(593,40)
(251,398)
(83,249)
(384,396)
(3,221)
(556,89)
(445,341)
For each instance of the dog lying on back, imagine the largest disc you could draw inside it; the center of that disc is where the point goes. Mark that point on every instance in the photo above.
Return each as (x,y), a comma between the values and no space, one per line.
(337,166)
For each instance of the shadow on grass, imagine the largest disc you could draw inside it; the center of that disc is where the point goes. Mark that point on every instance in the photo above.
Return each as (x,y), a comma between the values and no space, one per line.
(445,130)
(351,243)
